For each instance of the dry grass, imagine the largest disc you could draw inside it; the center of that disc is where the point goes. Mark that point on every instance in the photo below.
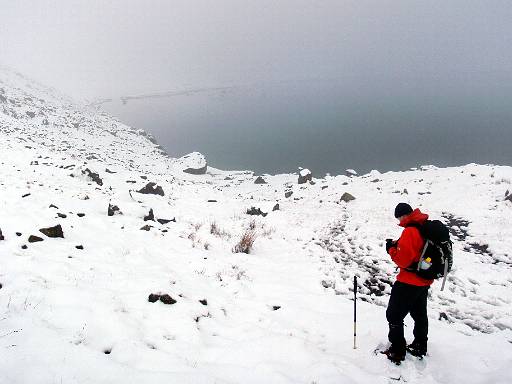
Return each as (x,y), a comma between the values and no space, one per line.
(245,243)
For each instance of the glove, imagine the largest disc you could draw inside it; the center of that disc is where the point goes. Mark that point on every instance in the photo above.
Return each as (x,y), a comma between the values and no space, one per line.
(390,244)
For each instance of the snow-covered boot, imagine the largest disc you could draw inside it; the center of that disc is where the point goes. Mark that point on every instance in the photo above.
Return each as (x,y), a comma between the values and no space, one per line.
(395,354)
(417,349)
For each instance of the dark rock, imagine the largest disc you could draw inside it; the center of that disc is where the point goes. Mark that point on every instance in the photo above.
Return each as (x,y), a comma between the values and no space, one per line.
(212,201)
(131,181)
(204,302)
(113,210)
(375,181)
(276,207)
(260,180)
(53,206)
(26,195)
(304,176)
(443,316)
(61,215)
(144,177)
(509,198)
(150,216)
(166,299)
(81,247)
(1,235)
(55,231)
(152,189)
(18,234)
(153,298)
(196,171)
(109,171)
(165,221)
(80,214)
(287,194)
(34,239)
(276,307)
(255,211)
(24,246)
(93,176)
(325,186)
(347,197)
(146,228)
(107,351)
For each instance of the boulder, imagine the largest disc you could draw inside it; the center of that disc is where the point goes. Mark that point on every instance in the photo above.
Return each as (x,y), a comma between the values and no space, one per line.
(350,173)
(113,210)
(34,239)
(146,228)
(165,221)
(260,180)
(287,194)
(347,197)
(93,176)
(255,212)
(152,189)
(150,216)
(305,175)
(1,235)
(166,299)
(55,231)
(194,163)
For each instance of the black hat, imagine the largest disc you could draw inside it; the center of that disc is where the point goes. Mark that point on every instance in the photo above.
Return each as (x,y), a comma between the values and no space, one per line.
(402,209)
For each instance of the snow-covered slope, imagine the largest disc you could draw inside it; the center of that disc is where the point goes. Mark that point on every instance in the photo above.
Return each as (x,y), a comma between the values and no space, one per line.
(78,309)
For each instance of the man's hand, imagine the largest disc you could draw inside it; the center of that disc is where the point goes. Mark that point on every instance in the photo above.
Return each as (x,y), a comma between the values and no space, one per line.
(390,243)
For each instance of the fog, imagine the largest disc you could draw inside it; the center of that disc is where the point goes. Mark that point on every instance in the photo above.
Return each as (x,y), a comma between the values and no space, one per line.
(323,84)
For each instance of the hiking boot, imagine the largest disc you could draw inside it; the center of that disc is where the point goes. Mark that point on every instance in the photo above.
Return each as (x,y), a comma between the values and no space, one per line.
(396,355)
(417,349)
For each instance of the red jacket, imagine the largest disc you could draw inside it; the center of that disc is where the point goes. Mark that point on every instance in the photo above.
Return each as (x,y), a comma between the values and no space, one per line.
(408,249)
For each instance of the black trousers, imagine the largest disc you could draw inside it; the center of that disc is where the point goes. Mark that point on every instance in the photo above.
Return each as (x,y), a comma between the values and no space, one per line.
(404,299)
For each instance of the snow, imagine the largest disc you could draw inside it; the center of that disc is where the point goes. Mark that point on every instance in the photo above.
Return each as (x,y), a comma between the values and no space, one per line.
(280,314)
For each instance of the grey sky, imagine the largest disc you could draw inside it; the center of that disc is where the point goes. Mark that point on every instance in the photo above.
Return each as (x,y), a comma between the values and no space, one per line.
(107,48)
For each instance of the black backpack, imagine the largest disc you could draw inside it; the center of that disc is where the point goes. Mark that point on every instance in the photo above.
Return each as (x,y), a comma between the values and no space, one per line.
(438,248)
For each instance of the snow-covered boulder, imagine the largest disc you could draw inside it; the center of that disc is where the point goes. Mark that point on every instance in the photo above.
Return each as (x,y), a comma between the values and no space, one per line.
(260,180)
(305,175)
(193,163)
(350,173)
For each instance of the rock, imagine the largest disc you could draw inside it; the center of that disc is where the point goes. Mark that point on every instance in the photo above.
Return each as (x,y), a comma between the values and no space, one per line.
(276,207)
(194,163)
(31,114)
(53,206)
(109,171)
(350,173)
(80,214)
(153,297)
(54,232)
(61,215)
(165,221)
(255,211)
(146,228)
(347,197)
(325,186)
(212,201)
(25,195)
(152,189)
(166,299)
(150,216)
(93,176)
(509,198)
(304,176)
(113,210)
(287,194)
(34,239)
(81,247)
(260,180)
(24,246)
(1,235)
(18,234)
(276,307)
(203,301)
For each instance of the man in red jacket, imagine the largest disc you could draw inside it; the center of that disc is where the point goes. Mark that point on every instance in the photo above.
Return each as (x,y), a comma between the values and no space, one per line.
(409,292)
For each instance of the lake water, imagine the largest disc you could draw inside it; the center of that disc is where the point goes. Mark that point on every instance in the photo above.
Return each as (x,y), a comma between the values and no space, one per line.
(275,128)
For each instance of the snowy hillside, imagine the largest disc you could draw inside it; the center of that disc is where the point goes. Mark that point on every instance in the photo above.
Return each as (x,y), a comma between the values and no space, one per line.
(143,284)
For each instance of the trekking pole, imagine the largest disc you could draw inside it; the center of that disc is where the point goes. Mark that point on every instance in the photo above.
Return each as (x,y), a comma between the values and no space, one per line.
(355,309)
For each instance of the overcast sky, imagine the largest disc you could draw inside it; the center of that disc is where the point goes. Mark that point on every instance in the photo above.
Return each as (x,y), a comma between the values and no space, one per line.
(95,49)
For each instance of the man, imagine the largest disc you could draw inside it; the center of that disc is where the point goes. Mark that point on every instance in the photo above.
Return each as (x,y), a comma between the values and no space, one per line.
(409,292)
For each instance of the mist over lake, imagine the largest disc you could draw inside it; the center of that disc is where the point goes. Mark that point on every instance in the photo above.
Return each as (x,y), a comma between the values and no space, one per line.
(329,125)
